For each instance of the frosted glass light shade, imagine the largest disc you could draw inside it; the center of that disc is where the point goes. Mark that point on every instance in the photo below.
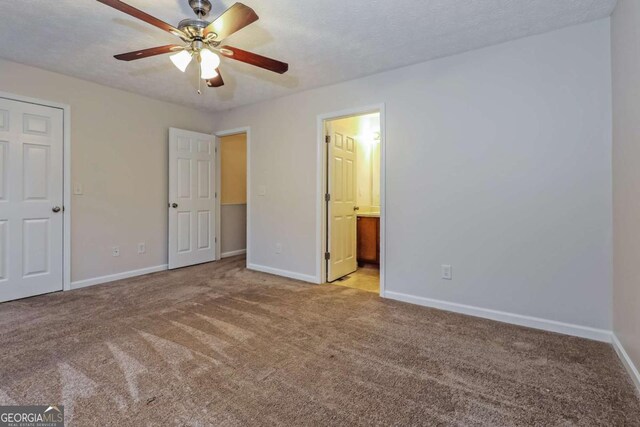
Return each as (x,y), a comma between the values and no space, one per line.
(181,60)
(209,62)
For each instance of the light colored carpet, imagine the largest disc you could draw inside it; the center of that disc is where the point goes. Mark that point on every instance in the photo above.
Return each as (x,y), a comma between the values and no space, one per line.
(219,345)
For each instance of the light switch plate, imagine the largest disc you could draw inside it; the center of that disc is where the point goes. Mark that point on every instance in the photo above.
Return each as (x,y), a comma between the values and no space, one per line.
(446,272)
(262,190)
(77,189)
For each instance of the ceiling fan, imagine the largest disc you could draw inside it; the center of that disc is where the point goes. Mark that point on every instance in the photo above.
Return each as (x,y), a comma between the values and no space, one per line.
(201,40)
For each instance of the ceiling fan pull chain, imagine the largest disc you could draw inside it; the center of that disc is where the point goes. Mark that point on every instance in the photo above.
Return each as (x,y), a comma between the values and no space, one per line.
(199,83)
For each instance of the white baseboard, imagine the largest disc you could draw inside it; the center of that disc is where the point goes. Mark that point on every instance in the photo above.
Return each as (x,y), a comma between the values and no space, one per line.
(501,316)
(626,361)
(118,276)
(233,253)
(283,273)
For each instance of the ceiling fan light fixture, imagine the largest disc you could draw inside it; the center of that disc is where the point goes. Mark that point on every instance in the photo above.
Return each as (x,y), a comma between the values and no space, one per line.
(208,74)
(181,60)
(209,62)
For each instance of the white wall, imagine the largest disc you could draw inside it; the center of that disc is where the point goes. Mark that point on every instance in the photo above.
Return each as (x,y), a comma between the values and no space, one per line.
(626,176)
(498,162)
(119,155)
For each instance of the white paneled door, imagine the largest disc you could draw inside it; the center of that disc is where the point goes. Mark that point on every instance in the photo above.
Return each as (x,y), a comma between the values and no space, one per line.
(31,195)
(342,206)
(192,198)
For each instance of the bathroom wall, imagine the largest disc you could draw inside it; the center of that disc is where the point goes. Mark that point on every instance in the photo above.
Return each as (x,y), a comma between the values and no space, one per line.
(369,158)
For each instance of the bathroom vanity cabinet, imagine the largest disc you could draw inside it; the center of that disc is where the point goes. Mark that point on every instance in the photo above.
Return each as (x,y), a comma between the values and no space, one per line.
(368,239)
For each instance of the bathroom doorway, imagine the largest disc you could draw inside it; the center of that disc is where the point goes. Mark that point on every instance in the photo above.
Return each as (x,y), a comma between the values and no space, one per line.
(352,200)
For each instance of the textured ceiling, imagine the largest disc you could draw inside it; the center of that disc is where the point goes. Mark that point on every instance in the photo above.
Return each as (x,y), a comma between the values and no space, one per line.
(324,42)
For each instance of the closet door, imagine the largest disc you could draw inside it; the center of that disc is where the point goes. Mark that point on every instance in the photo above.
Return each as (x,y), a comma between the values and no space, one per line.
(31,196)
(192,198)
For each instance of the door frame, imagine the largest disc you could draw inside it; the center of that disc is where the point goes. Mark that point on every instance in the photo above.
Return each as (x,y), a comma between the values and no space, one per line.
(321,217)
(246,130)
(66,178)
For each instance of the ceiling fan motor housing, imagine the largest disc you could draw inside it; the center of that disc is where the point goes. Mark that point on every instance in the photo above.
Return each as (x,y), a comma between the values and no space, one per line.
(200,7)
(194,29)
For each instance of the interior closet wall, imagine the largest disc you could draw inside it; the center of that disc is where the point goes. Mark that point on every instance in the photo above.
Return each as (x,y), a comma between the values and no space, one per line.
(233,197)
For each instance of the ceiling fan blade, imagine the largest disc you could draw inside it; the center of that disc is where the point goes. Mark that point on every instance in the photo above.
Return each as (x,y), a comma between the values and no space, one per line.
(233,19)
(145,53)
(136,13)
(254,59)
(216,81)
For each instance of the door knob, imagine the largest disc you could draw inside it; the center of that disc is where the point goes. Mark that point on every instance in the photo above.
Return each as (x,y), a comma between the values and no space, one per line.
(356,208)
(174,205)
(56,209)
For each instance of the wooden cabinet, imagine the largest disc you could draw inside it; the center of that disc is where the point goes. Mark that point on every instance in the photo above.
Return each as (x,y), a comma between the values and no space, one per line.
(368,240)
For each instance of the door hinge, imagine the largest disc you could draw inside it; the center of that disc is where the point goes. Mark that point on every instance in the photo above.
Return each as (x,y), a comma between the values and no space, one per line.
(327,197)
(216,240)
(216,195)
(327,139)
(327,256)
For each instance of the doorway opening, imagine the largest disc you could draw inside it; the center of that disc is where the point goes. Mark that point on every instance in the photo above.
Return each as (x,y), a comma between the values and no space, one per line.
(232,149)
(353,200)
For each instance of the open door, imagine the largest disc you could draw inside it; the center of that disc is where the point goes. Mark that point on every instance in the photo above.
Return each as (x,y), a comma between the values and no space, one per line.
(341,209)
(192,198)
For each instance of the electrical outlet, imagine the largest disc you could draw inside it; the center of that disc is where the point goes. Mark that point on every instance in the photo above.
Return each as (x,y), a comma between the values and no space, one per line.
(446,272)
(278,248)
(115,251)
(142,248)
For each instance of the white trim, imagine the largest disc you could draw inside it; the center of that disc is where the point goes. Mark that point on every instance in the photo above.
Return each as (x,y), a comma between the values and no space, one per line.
(626,361)
(66,179)
(233,253)
(66,269)
(246,130)
(512,318)
(118,276)
(283,273)
(321,274)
